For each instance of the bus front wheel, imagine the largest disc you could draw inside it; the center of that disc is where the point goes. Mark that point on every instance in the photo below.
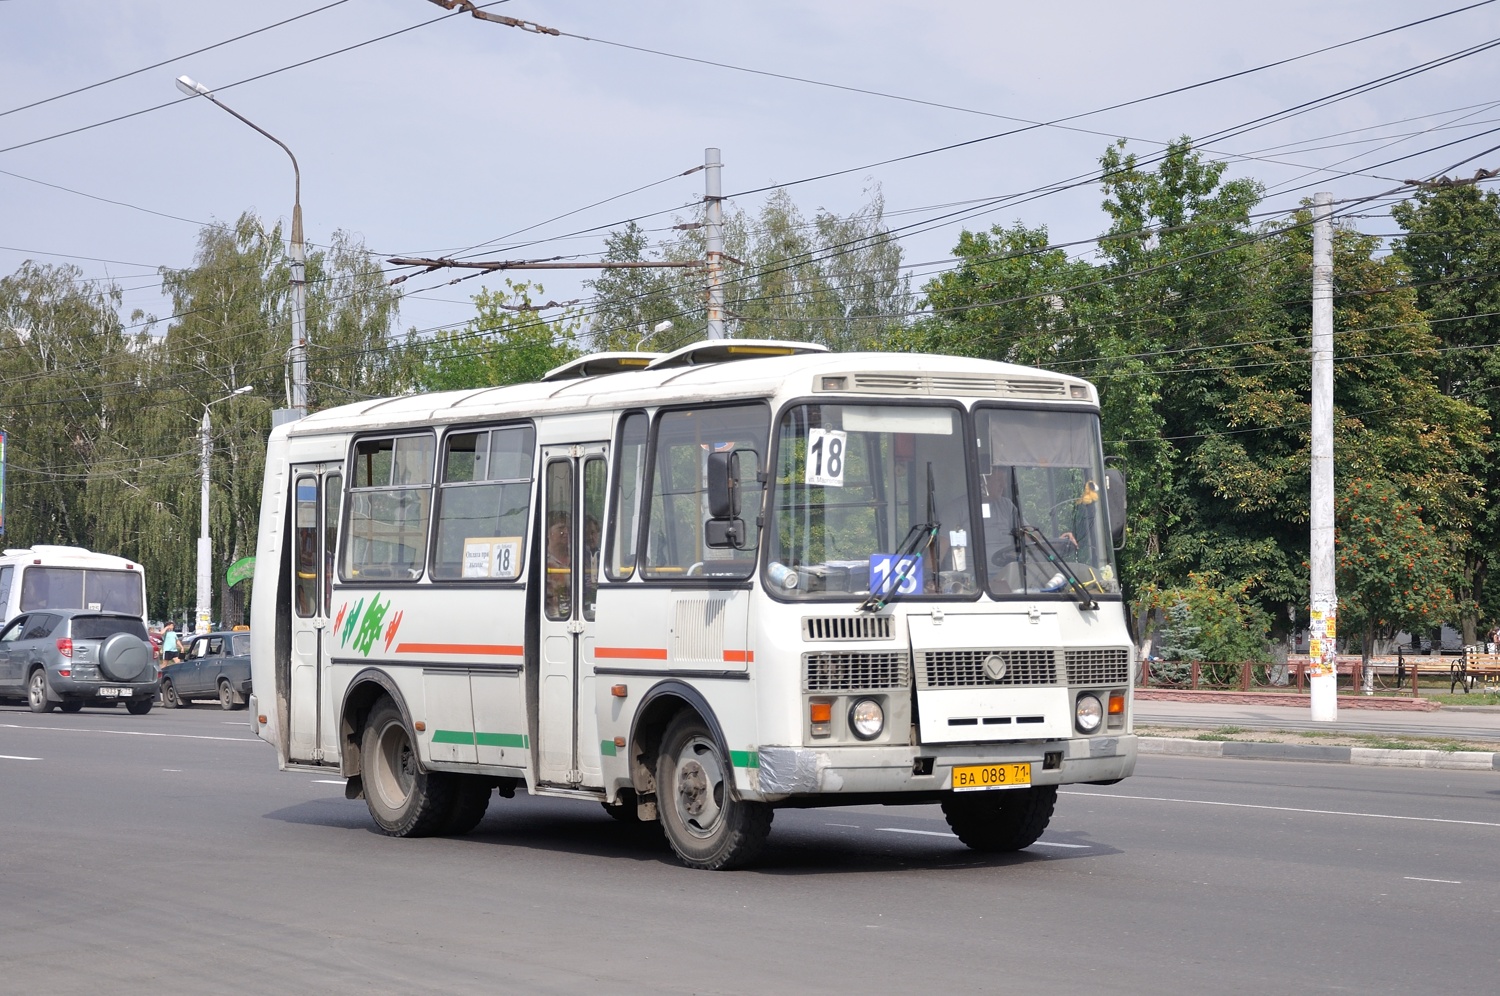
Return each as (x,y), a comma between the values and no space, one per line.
(1001,820)
(405,799)
(705,821)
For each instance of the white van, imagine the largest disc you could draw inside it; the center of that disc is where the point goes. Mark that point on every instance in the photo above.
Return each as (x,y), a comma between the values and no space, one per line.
(69,577)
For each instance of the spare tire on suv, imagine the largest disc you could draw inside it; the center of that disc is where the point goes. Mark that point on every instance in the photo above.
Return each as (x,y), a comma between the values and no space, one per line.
(123,657)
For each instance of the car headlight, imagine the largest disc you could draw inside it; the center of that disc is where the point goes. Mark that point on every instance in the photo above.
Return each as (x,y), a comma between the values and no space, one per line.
(866,719)
(1088,713)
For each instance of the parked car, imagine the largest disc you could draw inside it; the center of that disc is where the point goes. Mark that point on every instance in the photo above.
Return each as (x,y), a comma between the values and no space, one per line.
(213,666)
(70,658)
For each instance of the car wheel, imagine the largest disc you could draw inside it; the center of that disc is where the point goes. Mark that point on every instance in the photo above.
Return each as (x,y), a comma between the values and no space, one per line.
(405,799)
(226,696)
(169,699)
(36,692)
(704,820)
(71,706)
(138,707)
(1001,820)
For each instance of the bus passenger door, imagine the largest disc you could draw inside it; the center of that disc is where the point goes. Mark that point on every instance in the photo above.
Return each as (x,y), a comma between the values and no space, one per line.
(317,493)
(573,488)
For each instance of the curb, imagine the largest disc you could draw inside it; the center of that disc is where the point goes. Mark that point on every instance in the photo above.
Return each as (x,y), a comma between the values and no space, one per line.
(1301,700)
(1469,760)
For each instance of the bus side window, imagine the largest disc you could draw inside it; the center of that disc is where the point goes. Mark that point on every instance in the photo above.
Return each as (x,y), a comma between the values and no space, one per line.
(484,504)
(390,501)
(630,476)
(7,573)
(679,490)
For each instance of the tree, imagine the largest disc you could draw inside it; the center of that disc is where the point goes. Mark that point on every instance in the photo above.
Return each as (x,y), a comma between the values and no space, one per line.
(1452,251)
(1394,571)
(507,342)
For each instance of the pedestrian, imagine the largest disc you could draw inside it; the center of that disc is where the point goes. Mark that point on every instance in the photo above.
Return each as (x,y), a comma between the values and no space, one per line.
(171,650)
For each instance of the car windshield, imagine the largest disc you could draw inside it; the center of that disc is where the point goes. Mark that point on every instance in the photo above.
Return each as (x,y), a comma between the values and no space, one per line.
(870,494)
(1042,507)
(101,627)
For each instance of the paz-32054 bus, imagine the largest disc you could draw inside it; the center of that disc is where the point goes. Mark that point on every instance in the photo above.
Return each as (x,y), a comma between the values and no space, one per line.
(698,586)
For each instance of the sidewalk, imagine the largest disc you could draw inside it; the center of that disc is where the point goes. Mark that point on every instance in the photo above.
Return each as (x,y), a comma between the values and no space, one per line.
(1210,710)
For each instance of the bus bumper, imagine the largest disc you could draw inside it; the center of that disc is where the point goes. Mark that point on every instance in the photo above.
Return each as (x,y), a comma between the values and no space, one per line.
(784,772)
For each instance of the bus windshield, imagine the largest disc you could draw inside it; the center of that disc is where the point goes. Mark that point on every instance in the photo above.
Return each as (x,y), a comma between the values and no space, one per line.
(871,494)
(1041,502)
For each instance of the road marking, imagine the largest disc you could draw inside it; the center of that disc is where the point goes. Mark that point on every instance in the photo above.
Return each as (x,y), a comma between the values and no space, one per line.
(329,781)
(17,757)
(943,833)
(128,733)
(1283,809)
(1442,881)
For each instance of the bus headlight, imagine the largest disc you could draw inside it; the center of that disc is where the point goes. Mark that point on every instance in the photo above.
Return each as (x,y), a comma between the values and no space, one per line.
(866,719)
(1088,712)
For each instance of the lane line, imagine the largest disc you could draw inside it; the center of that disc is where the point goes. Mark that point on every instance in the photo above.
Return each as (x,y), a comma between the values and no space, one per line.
(849,826)
(948,834)
(17,757)
(1283,809)
(329,781)
(128,733)
(1442,881)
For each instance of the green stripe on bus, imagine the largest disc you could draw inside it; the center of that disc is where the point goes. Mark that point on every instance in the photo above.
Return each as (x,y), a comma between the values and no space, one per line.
(744,758)
(482,739)
(503,740)
(607,748)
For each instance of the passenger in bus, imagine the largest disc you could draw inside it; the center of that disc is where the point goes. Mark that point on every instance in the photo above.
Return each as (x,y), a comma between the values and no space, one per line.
(559,567)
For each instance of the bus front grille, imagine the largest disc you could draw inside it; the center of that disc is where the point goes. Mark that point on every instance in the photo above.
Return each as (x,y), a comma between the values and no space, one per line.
(832,671)
(1102,666)
(863,627)
(974,668)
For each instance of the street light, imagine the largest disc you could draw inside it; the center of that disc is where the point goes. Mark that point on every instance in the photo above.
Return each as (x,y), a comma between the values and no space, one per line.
(297,396)
(205,580)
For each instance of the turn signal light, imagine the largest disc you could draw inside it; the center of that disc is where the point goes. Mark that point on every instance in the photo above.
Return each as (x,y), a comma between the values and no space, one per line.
(820,712)
(619,691)
(1116,703)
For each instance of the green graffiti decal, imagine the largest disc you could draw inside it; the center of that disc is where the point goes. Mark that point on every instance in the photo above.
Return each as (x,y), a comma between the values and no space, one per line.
(371,625)
(348,629)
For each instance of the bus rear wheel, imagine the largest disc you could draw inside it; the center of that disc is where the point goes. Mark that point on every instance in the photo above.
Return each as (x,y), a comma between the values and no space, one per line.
(405,799)
(1001,820)
(705,821)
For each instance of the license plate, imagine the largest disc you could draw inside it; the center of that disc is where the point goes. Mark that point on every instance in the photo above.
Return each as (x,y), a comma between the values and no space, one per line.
(126,692)
(978,777)
(109,693)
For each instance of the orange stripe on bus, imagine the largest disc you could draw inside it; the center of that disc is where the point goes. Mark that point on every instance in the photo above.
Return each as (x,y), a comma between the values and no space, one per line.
(739,656)
(632,653)
(473,649)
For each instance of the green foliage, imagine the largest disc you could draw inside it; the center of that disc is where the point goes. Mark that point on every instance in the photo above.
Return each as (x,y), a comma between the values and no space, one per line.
(1209,618)
(506,342)
(1394,571)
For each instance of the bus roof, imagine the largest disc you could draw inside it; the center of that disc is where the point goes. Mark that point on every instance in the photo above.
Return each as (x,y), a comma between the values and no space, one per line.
(67,556)
(698,373)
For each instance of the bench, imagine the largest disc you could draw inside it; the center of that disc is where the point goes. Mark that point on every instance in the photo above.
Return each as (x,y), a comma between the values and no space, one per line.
(1473,664)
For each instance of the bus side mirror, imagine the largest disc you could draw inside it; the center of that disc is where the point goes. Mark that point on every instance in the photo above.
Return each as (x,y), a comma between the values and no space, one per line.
(723,485)
(724,528)
(1114,496)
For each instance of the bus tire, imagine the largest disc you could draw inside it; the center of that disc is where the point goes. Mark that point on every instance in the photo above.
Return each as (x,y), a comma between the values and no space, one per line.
(405,799)
(1001,820)
(471,797)
(703,818)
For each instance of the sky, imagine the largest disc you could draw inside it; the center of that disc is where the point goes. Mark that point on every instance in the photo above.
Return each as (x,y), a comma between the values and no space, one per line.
(425,132)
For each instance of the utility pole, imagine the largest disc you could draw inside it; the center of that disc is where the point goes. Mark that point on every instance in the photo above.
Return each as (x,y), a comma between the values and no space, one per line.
(298,400)
(1324,607)
(713,217)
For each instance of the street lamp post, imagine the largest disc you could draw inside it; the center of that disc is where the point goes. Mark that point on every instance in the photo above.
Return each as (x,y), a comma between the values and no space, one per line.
(205,577)
(297,396)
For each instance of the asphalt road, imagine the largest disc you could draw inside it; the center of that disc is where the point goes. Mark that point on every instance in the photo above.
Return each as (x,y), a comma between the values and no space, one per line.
(164,854)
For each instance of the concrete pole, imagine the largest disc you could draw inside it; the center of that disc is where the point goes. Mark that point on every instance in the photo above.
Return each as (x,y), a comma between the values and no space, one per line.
(713,201)
(1323,634)
(205,592)
(298,400)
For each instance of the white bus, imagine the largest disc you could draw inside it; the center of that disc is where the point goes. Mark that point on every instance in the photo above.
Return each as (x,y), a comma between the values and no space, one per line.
(699,586)
(69,577)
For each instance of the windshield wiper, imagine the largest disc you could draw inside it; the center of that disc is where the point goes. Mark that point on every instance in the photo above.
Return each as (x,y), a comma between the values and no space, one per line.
(918,536)
(1085,600)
